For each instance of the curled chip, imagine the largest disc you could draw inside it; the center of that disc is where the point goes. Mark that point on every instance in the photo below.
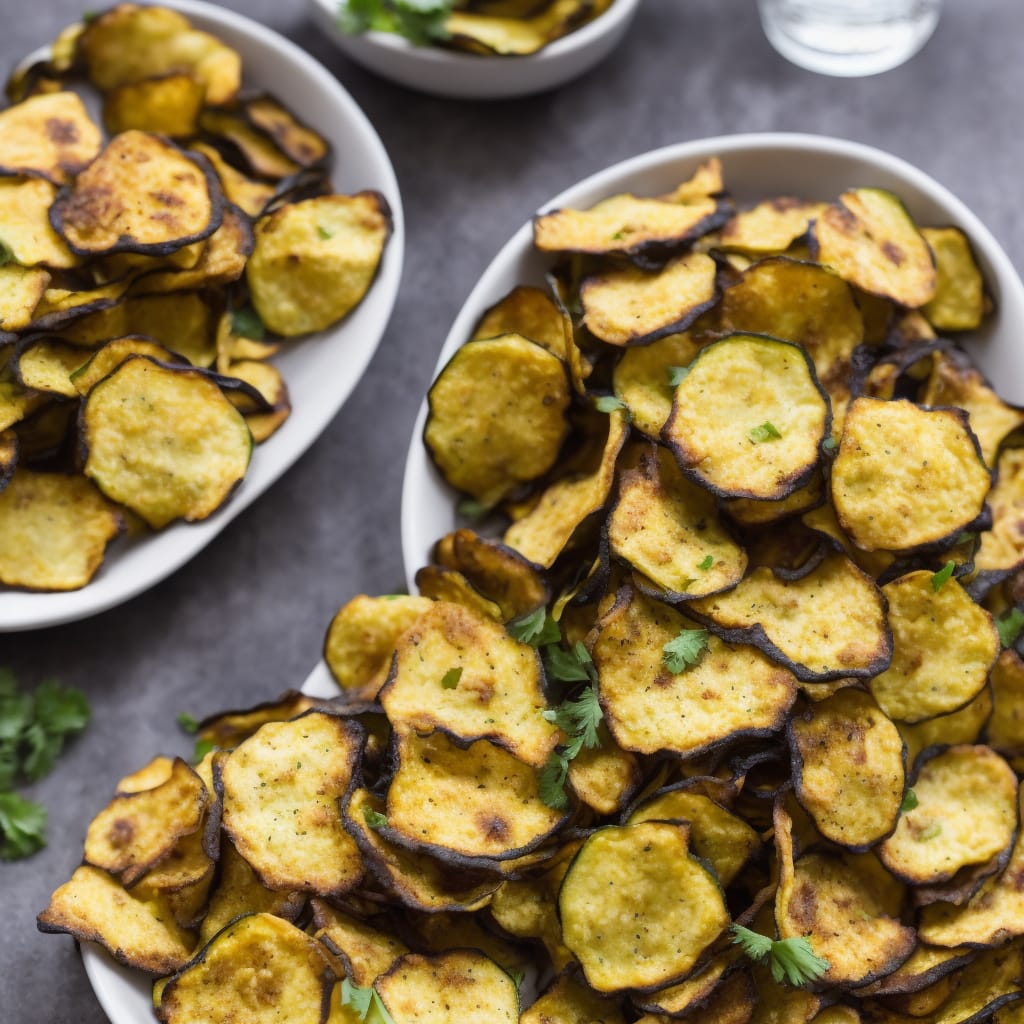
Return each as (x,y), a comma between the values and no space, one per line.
(569,1002)
(364,952)
(164,442)
(637,909)
(959,300)
(771,226)
(48,136)
(27,233)
(168,105)
(528,311)
(315,260)
(749,418)
(479,452)
(906,476)
(141,194)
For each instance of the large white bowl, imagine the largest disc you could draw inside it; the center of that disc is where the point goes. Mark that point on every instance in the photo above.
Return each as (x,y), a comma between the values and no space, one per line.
(321,370)
(755,167)
(470,76)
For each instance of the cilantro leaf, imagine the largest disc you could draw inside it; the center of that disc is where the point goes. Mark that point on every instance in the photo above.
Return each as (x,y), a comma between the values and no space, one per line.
(451,678)
(40,750)
(910,801)
(609,403)
(677,374)
(365,1002)
(420,21)
(374,819)
(552,782)
(573,666)
(706,562)
(246,323)
(684,650)
(1009,625)
(942,577)
(793,959)
(765,432)
(187,722)
(537,629)
(579,718)
(22,827)
(324,233)
(203,747)
(60,710)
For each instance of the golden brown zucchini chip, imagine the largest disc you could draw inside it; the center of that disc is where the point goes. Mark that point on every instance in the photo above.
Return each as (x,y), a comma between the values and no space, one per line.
(698,995)
(725,691)
(771,226)
(478,451)
(260,969)
(1005,730)
(963,726)
(314,260)
(296,140)
(164,442)
(749,418)
(250,196)
(637,908)
(142,934)
(363,951)
(149,776)
(138,831)
(243,144)
(526,311)
(1002,546)
(925,966)
(47,364)
(848,768)
(226,729)
(966,813)
(281,791)
(25,228)
(21,291)
(906,477)
(959,302)
(362,637)
(630,306)
(754,512)
(567,1001)
(448,988)
(604,777)
(54,530)
(141,194)
(643,379)
(628,225)
(668,528)
(167,104)
(457,670)
(267,380)
(868,238)
(570,504)
(500,811)
(48,136)
(108,358)
(943,648)
(450,585)
(130,43)
(828,624)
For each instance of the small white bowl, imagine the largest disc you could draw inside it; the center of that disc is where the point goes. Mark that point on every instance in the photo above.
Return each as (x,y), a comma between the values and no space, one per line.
(755,167)
(469,76)
(321,370)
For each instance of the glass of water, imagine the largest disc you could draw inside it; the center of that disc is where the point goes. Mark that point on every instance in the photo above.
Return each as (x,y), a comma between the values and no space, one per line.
(848,37)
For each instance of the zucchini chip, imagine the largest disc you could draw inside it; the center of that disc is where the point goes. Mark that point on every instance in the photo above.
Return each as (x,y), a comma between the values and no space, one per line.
(699,994)
(728,691)
(164,442)
(754,512)
(526,311)
(48,136)
(467,806)
(966,814)
(771,226)
(959,302)
(108,358)
(297,141)
(47,364)
(141,194)
(450,585)
(21,291)
(570,504)
(251,196)
(963,726)
(479,452)
(637,908)
(25,229)
(1005,730)
(828,624)
(364,952)
(281,790)
(604,777)
(943,648)
(749,418)
(848,768)
(668,528)
(448,988)
(267,380)
(142,934)
(227,729)
(631,306)
(868,238)
(566,1001)
(1002,546)
(314,260)
(906,477)
(292,981)
(457,670)
(54,530)
(167,105)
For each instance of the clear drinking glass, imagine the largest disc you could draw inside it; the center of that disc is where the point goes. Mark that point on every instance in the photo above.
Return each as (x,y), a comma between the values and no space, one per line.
(848,37)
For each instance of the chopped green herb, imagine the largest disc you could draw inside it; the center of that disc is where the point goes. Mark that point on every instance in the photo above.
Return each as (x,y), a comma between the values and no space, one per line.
(517,978)
(910,801)
(609,403)
(552,782)
(246,323)
(685,650)
(579,718)
(830,444)
(1009,623)
(374,819)
(537,629)
(677,374)
(365,1003)
(473,510)
(187,722)
(324,233)
(706,563)
(942,577)
(420,21)
(451,678)
(203,747)
(6,254)
(766,432)
(22,827)
(575,666)
(793,959)
(931,832)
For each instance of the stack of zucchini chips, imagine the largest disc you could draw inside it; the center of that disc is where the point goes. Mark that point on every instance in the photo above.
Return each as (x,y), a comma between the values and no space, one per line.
(716,712)
(149,271)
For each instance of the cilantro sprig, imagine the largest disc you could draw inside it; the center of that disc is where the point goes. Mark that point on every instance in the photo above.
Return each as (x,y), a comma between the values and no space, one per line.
(943,576)
(420,21)
(1009,624)
(536,629)
(793,959)
(684,650)
(365,1003)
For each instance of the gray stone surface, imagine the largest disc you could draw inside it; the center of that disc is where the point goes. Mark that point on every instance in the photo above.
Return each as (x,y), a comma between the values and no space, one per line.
(246,618)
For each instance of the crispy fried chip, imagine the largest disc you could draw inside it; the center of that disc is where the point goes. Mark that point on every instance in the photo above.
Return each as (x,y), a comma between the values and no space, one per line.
(249,195)
(1005,730)
(567,1001)
(771,226)
(526,311)
(108,358)
(1002,547)
(25,230)
(168,104)
(364,952)
(49,136)
(297,141)
(21,291)
(959,301)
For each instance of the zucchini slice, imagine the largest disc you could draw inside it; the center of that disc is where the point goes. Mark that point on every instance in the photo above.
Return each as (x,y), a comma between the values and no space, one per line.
(50,136)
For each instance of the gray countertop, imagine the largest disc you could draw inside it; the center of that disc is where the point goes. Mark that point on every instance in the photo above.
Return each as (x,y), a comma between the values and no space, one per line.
(246,618)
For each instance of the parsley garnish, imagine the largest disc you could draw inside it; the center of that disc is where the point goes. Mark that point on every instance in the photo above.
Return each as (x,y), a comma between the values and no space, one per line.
(793,959)
(685,650)
(420,21)
(537,629)
(766,432)
(203,747)
(246,323)
(609,403)
(473,510)
(365,1001)
(33,728)
(324,233)
(910,801)
(706,563)
(677,374)
(1009,624)
(451,678)
(943,576)
(187,722)
(374,819)
(579,719)
(575,666)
